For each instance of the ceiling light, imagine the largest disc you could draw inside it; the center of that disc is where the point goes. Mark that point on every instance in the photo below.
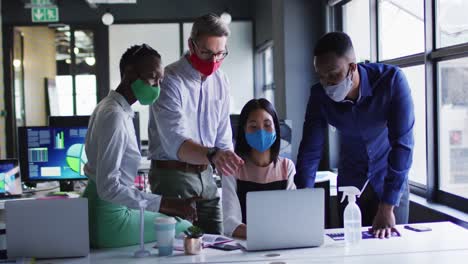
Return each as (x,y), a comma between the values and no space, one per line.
(107,19)
(226,17)
(16,63)
(90,61)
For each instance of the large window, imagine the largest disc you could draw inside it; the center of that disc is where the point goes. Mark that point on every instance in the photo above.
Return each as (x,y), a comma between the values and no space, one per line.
(453,126)
(401,28)
(356,23)
(434,58)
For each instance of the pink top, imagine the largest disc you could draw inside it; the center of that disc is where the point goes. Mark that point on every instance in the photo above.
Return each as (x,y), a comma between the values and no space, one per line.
(271,173)
(232,214)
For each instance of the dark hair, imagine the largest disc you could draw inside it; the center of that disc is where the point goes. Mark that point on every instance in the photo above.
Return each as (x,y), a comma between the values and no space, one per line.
(135,53)
(209,25)
(333,42)
(242,148)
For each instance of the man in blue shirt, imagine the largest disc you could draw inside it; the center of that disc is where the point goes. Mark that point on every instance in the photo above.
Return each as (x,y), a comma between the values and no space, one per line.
(371,107)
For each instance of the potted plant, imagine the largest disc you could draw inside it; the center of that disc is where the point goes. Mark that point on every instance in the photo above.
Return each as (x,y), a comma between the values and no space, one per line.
(193,243)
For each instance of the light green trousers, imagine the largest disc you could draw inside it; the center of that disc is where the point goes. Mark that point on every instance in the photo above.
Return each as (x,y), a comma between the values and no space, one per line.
(112,225)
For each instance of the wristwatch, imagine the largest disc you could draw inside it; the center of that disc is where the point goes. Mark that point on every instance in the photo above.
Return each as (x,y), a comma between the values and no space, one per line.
(210,154)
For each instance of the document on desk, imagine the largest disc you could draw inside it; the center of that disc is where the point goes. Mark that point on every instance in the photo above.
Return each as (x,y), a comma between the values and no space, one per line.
(208,240)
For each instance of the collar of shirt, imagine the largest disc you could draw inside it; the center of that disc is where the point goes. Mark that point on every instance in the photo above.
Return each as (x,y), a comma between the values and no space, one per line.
(122,102)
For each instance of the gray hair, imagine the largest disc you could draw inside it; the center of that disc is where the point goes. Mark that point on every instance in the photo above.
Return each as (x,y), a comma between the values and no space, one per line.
(209,25)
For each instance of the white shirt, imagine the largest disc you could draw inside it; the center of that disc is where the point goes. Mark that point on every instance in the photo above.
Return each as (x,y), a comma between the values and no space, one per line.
(232,213)
(113,155)
(189,108)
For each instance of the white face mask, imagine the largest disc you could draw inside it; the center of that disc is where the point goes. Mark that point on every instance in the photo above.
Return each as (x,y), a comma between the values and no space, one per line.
(338,92)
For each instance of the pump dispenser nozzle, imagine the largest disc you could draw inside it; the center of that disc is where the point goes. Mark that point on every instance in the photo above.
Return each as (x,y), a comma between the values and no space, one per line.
(349,191)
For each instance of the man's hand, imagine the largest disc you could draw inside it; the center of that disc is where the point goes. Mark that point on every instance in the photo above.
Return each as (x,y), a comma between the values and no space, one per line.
(240,232)
(185,208)
(384,221)
(227,162)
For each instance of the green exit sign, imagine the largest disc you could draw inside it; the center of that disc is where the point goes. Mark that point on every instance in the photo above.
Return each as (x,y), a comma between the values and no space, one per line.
(45,14)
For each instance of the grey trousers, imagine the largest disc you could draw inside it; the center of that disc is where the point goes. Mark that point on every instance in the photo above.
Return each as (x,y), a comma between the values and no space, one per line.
(174,183)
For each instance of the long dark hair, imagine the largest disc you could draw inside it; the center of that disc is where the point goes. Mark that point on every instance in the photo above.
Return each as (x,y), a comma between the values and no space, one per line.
(242,148)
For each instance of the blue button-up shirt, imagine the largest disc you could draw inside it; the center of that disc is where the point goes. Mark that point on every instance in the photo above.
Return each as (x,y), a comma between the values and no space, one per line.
(189,108)
(376,133)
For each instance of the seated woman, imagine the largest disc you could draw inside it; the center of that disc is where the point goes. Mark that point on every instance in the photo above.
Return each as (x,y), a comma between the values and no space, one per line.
(258,143)
(113,159)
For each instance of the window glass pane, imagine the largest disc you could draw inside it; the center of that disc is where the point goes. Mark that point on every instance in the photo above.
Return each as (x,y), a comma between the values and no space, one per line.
(401,28)
(64,94)
(268,64)
(452,22)
(356,24)
(85,70)
(85,94)
(417,82)
(453,126)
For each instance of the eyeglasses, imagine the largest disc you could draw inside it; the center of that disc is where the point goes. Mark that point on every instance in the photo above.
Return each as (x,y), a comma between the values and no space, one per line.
(206,55)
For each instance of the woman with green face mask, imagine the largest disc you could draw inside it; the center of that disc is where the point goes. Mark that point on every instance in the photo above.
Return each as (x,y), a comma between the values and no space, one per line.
(114,157)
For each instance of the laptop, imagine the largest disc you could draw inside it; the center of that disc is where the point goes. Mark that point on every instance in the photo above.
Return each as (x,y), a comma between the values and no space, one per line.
(285,219)
(10,179)
(47,228)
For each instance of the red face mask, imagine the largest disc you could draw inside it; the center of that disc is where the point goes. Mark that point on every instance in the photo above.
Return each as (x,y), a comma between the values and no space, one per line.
(204,67)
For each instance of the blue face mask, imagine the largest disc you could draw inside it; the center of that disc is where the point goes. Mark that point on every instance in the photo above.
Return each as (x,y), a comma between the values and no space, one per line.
(261,139)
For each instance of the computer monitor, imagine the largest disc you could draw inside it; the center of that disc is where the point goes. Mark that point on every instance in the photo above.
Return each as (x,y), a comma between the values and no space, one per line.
(83,121)
(52,153)
(10,180)
(69,121)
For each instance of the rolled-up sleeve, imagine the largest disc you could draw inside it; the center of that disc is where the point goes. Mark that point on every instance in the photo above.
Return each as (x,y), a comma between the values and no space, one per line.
(113,140)
(169,118)
(224,132)
(400,133)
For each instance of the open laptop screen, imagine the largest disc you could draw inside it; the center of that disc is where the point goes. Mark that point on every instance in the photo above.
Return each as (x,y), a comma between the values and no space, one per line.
(10,180)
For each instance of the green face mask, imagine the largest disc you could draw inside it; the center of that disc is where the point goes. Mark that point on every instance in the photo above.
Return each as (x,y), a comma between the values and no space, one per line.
(144,93)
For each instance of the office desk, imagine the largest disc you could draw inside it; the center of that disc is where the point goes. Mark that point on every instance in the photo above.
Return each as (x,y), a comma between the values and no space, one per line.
(447,243)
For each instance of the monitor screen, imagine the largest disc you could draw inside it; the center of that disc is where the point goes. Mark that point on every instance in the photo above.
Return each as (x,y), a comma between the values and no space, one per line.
(10,180)
(77,121)
(52,153)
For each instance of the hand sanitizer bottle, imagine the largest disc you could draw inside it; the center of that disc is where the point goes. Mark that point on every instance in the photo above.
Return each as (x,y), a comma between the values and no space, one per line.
(352,216)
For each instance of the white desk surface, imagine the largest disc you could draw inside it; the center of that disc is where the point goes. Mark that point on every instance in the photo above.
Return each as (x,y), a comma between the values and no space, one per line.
(447,242)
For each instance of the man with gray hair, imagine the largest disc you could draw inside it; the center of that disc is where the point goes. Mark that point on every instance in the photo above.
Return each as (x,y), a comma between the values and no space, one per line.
(189,126)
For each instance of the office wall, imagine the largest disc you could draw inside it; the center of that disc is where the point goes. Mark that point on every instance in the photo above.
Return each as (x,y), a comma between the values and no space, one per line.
(39,63)
(79,12)
(165,38)
(297,25)
(2,97)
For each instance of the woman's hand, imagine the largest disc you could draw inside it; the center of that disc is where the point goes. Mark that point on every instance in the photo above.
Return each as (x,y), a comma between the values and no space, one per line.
(185,208)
